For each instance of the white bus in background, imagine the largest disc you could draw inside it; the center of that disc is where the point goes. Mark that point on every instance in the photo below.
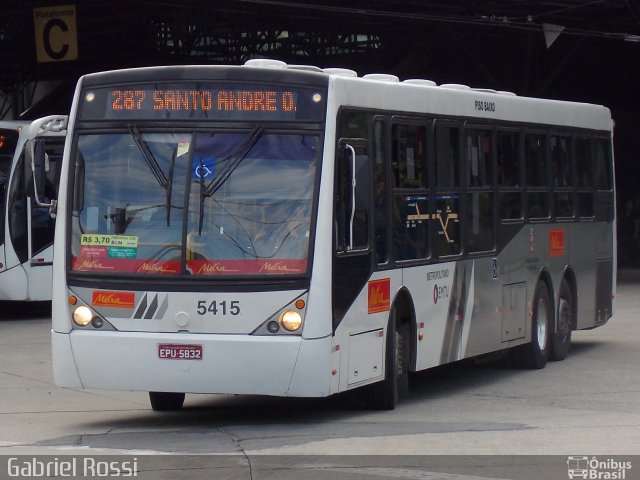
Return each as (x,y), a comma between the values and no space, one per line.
(292,231)
(26,228)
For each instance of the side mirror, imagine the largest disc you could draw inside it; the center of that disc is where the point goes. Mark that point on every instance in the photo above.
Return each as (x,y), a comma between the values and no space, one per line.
(35,166)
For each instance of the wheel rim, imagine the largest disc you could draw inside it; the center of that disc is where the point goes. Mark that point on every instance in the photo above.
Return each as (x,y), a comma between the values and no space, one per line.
(542,324)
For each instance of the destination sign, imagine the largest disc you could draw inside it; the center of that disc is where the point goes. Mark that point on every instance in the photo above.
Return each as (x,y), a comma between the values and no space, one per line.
(203,101)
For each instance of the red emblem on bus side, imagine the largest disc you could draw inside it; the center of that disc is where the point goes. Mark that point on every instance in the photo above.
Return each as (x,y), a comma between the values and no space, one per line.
(379,296)
(113,299)
(556,243)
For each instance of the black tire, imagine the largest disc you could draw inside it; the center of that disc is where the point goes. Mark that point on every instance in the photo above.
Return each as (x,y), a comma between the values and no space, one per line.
(534,355)
(166,401)
(384,395)
(561,339)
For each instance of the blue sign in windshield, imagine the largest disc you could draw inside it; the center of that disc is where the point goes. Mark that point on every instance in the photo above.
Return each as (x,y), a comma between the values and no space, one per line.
(203,168)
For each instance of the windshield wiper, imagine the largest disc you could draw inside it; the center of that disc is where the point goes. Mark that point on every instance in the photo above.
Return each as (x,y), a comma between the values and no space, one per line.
(232,161)
(170,185)
(152,163)
(148,157)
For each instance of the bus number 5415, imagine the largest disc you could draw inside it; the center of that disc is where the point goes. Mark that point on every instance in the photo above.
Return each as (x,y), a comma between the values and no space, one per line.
(218,308)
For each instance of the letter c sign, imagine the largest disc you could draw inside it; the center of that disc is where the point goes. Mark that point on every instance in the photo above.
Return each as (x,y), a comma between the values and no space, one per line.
(56,33)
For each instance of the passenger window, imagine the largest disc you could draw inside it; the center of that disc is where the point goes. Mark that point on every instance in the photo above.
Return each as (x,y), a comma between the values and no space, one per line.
(535,155)
(478,157)
(353,124)
(563,196)
(509,164)
(510,205)
(585,177)
(411,226)
(603,160)
(380,190)
(447,225)
(538,205)
(479,222)
(561,161)
(536,160)
(409,154)
(584,167)
(510,179)
(445,221)
(447,156)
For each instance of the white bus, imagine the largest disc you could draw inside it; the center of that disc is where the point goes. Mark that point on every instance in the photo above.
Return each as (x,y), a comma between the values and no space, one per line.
(291,231)
(26,227)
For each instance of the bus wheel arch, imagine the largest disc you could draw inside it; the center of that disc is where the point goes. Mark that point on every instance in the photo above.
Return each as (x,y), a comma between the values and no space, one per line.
(399,355)
(534,355)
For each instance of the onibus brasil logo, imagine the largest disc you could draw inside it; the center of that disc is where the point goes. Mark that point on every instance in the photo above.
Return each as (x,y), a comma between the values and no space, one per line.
(593,468)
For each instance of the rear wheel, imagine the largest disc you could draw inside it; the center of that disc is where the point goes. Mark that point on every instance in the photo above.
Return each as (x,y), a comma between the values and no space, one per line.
(166,401)
(384,395)
(561,339)
(534,355)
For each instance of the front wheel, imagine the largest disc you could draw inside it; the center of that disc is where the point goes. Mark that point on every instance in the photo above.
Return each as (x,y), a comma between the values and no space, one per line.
(166,401)
(384,395)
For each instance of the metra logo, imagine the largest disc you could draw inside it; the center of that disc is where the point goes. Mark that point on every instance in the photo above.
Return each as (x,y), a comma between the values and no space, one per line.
(209,268)
(379,295)
(556,243)
(113,299)
(271,267)
(155,267)
(91,265)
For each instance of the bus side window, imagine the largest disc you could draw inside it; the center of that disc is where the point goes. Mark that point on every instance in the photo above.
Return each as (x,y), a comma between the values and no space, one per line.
(584,176)
(478,157)
(352,220)
(380,202)
(447,203)
(409,151)
(411,198)
(479,213)
(603,161)
(509,168)
(535,151)
(562,176)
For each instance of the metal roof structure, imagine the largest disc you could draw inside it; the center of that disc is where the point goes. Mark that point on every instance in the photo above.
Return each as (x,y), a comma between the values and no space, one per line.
(492,43)
(584,50)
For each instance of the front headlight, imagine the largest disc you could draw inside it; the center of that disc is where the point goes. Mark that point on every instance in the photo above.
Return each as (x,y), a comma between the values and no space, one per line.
(82,316)
(291,320)
(288,320)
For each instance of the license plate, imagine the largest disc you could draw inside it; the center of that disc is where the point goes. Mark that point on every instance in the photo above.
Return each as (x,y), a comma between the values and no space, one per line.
(168,351)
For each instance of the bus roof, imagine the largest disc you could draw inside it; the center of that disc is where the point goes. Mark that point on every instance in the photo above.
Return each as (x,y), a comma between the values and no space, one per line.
(385,92)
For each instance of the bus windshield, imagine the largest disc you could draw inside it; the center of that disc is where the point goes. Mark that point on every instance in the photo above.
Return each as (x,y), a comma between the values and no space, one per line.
(194,203)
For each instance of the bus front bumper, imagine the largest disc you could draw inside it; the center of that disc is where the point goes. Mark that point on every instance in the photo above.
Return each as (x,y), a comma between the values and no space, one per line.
(229,364)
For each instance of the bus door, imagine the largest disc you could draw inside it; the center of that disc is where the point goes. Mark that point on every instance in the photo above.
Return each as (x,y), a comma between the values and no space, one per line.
(41,223)
(353,259)
(38,269)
